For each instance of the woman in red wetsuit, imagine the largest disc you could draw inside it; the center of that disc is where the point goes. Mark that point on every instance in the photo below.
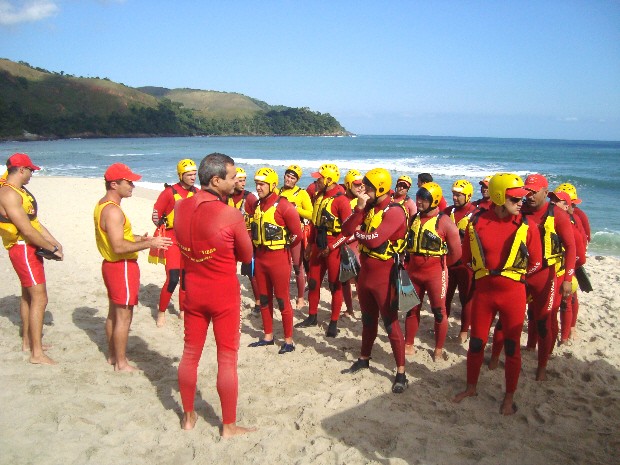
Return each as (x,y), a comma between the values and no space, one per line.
(499,241)
(381,237)
(212,238)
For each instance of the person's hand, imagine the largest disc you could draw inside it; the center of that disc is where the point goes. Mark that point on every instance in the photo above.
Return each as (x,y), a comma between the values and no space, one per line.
(566,289)
(160,242)
(362,199)
(324,252)
(307,252)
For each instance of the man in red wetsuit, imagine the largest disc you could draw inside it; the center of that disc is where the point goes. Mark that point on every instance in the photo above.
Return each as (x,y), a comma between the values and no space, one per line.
(484,203)
(212,237)
(276,227)
(163,214)
(433,245)
(460,275)
(331,208)
(501,248)
(552,284)
(403,184)
(245,201)
(562,200)
(381,238)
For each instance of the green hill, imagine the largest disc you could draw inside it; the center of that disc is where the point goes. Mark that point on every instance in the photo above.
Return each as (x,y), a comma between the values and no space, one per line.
(36,103)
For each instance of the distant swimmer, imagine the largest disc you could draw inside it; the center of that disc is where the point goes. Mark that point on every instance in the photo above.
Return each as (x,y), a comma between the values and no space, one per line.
(212,237)
(331,208)
(484,203)
(460,275)
(433,244)
(276,228)
(245,201)
(119,248)
(163,214)
(300,198)
(381,239)
(23,235)
(502,247)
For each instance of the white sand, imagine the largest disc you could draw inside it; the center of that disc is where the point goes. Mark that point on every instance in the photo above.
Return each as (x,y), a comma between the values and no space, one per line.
(82,412)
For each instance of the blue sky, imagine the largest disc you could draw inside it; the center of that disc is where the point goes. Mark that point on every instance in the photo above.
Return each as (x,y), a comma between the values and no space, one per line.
(539,69)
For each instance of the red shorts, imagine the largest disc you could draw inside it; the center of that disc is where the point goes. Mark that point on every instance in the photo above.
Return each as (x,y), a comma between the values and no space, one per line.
(122,280)
(28,265)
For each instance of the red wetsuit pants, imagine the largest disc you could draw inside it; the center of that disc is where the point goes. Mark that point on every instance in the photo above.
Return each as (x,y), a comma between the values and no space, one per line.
(272,269)
(317,269)
(220,305)
(297,255)
(541,287)
(428,274)
(373,290)
(460,277)
(497,295)
(173,274)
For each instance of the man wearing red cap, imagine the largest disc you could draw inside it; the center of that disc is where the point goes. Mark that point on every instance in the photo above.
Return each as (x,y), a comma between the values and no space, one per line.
(485,202)
(552,284)
(403,184)
(22,234)
(119,248)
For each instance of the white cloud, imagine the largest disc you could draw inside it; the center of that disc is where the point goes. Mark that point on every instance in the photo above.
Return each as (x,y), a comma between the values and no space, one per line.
(22,11)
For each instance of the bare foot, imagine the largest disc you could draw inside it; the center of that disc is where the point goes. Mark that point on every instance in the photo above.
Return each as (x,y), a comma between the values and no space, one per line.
(44,347)
(463,336)
(111,360)
(230,430)
(181,315)
(349,313)
(529,348)
(573,334)
(469,392)
(127,368)
(439,355)
(541,374)
(493,363)
(189,420)
(42,360)
(508,407)
(161,319)
(301,303)
(409,349)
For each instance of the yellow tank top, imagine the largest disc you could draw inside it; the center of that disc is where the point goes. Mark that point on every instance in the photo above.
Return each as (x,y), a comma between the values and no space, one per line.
(8,231)
(103,241)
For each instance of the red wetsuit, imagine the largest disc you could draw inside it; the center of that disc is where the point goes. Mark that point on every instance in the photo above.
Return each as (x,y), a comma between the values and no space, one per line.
(373,281)
(460,275)
(162,209)
(212,237)
(409,205)
(493,294)
(483,204)
(543,286)
(430,274)
(245,202)
(319,265)
(273,267)
(585,222)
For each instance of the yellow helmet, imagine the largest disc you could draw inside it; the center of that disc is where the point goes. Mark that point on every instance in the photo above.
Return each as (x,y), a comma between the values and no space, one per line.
(502,185)
(267,175)
(380,179)
(241,173)
(430,191)
(328,170)
(570,190)
(406,179)
(184,166)
(463,186)
(296,169)
(351,177)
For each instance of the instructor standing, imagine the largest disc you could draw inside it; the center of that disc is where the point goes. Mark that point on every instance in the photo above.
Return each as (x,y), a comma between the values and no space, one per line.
(212,237)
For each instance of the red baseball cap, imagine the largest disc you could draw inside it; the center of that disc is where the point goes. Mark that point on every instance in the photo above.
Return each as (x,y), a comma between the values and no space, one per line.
(485,181)
(536,182)
(118,171)
(560,195)
(21,159)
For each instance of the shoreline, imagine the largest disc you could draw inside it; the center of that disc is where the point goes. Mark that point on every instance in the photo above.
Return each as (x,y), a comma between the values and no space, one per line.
(306,410)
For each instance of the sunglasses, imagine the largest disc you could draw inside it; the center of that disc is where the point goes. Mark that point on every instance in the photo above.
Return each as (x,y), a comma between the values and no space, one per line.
(514,199)
(402,185)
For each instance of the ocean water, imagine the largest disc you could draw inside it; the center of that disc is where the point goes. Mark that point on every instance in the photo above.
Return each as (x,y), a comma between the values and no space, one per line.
(592,166)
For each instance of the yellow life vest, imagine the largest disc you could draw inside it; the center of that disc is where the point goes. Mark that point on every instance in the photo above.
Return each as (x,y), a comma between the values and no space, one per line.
(170,216)
(103,241)
(389,248)
(553,250)
(322,216)
(265,230)
(353,203)
(424,239)
(515,267)
(241,207)
(462,223)
(8,231)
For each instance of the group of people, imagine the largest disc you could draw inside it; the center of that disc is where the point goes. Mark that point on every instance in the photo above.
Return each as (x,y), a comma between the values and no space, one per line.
(516,248)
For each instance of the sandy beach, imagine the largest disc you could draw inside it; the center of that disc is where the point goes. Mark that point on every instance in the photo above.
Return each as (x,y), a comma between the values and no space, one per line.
(306,411)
